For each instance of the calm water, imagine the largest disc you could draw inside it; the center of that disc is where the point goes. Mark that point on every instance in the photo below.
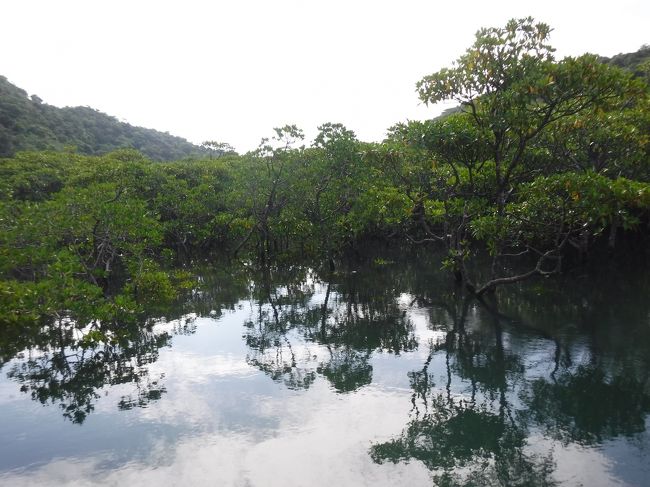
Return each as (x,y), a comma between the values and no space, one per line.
(377,374)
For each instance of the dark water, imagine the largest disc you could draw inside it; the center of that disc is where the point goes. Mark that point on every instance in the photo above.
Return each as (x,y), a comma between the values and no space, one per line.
(377,374)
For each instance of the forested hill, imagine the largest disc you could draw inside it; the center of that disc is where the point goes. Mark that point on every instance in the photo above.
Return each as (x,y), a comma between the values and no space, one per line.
(637,62)
(26,123)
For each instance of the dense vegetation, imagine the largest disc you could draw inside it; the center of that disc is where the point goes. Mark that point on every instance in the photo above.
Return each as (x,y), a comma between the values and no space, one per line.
(545,160)
(637,62)
(26,123)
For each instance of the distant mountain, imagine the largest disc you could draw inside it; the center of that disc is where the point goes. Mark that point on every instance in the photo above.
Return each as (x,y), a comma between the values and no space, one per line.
(26,123)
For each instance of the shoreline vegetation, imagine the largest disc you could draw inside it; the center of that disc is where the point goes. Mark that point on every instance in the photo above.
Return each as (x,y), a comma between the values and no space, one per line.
(544,163)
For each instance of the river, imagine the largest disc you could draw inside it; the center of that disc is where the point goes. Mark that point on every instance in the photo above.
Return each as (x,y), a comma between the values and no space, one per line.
(379,373)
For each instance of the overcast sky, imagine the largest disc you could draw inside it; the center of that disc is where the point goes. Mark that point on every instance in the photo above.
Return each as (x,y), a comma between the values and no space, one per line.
(231,71)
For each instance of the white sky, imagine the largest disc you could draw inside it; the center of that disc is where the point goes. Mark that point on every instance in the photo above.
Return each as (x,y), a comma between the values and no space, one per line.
(231,71)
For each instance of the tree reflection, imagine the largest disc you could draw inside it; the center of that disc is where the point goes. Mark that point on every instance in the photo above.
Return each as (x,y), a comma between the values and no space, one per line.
(268,336)
(467,433)
(587,405)
(479,399)
(72,368)
(465,443)
(65,363)
(329,326)
(347,369)
(599,387)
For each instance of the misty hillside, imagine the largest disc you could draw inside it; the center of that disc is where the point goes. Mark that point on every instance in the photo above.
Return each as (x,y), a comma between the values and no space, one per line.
(26,123)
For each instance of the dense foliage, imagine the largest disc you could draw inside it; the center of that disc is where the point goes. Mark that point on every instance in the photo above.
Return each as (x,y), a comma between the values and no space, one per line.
(543,160)
(637,62)
(26,123)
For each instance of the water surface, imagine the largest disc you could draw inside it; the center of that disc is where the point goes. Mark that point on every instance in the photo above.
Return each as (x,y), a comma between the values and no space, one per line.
(377,374)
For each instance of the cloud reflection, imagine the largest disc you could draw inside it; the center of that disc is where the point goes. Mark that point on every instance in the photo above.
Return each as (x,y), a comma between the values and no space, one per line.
(315,443)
